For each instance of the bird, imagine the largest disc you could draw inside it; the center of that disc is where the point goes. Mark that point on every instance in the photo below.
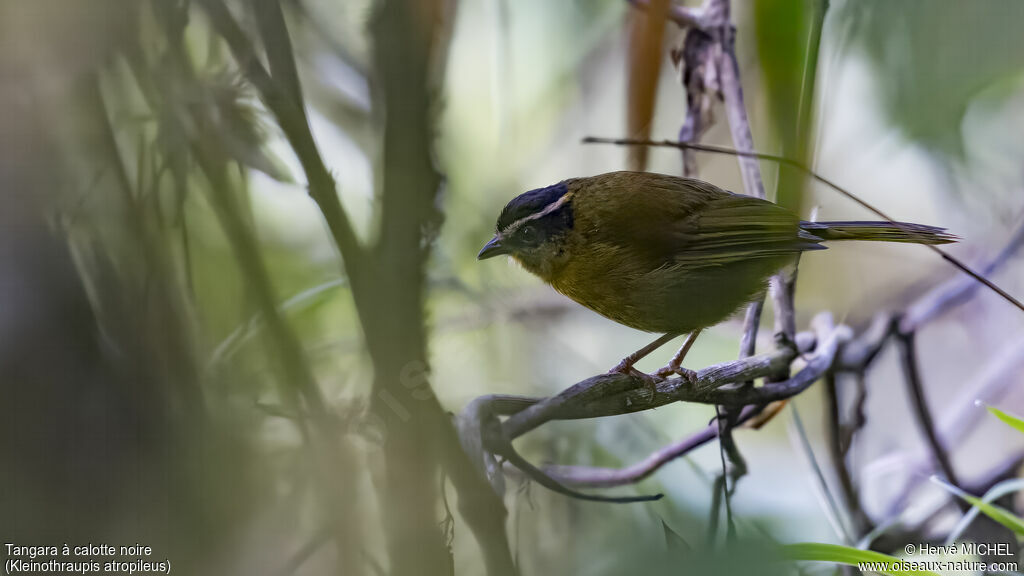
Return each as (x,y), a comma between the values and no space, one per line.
(666,254)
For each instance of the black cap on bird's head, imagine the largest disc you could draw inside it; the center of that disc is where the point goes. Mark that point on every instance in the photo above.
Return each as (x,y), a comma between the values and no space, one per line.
(531,219)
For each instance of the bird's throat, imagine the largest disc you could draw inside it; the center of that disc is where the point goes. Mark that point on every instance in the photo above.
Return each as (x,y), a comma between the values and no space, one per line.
(546,268)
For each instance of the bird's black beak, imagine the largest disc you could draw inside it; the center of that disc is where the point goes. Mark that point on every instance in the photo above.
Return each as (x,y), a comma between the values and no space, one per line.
(492,249)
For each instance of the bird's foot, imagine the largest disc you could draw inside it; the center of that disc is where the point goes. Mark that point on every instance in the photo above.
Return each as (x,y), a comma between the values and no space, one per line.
(784,342)
(675,365)
(687,374)
(650,381)
(623,367)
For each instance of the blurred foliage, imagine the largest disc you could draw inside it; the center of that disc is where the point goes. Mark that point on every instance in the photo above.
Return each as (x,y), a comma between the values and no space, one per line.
(788,36)
(934,57)
(1011,420)
(848,556)
(646,52)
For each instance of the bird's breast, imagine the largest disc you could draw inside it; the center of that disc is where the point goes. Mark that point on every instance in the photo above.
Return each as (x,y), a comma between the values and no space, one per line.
(607,280)
(658,296)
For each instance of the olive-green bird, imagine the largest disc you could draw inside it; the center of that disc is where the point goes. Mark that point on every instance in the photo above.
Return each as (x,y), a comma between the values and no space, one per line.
(663,253)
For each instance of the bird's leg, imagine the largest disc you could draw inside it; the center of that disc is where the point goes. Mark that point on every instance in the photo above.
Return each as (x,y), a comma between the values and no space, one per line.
(675,366)
(626,366)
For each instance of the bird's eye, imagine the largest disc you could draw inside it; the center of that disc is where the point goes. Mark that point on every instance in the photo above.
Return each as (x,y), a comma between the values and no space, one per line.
(530,234)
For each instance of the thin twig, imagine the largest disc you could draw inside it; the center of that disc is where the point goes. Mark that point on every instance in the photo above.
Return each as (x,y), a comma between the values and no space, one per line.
(830,505)
(739,126)
(752,317)
(711,53)
(610,394)
(847,432)
(989,386)
(951,294)
(908,356)
(734,466)
(614,393)
(607,477)
(851,499)
(863,349)
(699,77)
(736,112)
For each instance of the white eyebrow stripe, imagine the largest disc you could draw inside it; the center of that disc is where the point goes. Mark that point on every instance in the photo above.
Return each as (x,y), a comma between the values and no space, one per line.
(547,210)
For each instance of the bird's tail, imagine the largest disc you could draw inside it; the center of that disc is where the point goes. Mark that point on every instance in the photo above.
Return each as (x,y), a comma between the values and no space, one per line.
(879,232)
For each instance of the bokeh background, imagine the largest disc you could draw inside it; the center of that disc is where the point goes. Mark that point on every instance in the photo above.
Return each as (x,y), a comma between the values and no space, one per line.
(153,207)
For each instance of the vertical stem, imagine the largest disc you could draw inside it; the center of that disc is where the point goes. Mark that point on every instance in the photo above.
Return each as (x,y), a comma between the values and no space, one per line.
(752,318)
(861,523)
(695,58)
(330,456)
(743,140)
(402,42)
(409,44)
(908,356)
(280,55)
(736,112)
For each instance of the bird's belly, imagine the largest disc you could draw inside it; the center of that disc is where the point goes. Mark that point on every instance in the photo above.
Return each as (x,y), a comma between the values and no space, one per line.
(670,299)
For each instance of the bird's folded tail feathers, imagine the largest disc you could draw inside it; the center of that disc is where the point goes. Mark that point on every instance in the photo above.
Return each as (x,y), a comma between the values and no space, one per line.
(879,232)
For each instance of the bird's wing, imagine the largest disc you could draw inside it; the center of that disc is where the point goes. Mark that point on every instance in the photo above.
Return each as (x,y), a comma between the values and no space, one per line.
(666,220)
(649,216)
(733,227)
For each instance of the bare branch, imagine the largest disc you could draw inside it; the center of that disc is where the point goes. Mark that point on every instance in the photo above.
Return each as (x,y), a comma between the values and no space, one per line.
(861,351)
(708,65)
(908,355)
(743,139)
(837,453)
(951,294)
(994,381)
(752,317)
(736,112)
(607,477)
(610,394)
(615,393)
(858,354)
(698,74)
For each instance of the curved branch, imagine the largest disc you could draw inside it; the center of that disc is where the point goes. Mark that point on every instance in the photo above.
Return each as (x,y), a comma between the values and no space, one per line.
(912,372)
(484,436)
(614,393)
(608,477)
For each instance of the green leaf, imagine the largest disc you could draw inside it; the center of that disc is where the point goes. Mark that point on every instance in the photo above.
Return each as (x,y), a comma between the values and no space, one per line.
(1011,420)
(931,59)
(997,513)
(996,492)
(788,35)
(815,552)
(672,538)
